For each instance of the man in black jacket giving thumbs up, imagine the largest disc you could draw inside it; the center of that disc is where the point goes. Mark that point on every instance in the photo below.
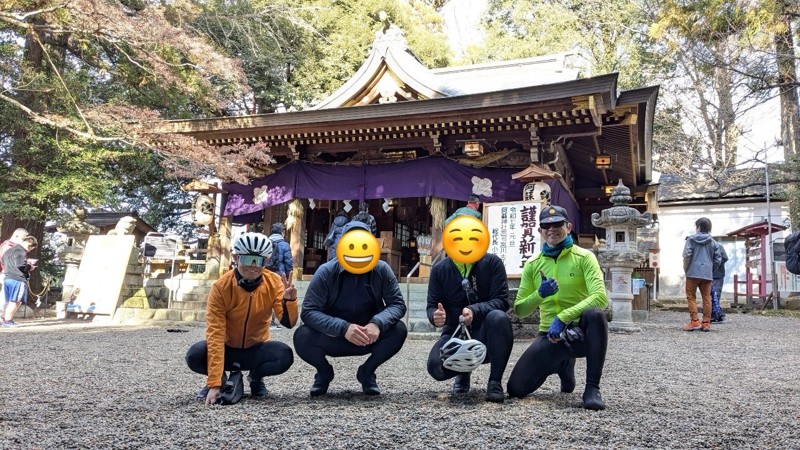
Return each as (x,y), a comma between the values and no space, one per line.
(475,294)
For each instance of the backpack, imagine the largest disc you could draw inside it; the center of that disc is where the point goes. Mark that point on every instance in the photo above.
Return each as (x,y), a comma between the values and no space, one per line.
(272,264)
(792,246)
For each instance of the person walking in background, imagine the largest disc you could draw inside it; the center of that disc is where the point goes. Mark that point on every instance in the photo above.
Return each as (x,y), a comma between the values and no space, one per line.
(337,229)
(281,260)
(792,246)
(16,271)
(717,314)
(701,257)
(565,282)
(473,209)
(364,216)
(16,239)
(238,314)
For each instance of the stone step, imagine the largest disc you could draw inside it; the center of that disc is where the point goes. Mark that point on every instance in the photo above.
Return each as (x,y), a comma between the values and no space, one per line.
(189,305)
(191,297)
(138,315)
(418,314)
(417,303)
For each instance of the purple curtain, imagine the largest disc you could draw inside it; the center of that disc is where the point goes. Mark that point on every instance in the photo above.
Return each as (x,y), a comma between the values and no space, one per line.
(329,182)
(439,177)
(271,190)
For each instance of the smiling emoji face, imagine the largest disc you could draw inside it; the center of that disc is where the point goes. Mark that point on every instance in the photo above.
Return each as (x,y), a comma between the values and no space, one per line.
(358,251)
(465,239)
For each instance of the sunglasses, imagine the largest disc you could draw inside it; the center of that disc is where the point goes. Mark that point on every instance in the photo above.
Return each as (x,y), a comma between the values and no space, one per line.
(251,260)
(547,226)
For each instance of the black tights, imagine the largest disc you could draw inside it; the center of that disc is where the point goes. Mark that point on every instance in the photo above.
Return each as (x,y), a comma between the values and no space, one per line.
(495,332)
(264,359)
(313,347)
(544,358)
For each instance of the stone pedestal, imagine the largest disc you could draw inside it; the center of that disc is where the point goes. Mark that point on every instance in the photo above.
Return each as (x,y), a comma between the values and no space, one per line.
(619,254)
(622,300)
(72,260)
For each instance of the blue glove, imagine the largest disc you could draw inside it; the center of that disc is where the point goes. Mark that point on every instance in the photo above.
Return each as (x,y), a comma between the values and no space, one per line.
(556,328)
(548,287)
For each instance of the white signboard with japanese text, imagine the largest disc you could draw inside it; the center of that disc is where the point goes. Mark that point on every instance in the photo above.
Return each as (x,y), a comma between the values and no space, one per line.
(787,281)
(513,232)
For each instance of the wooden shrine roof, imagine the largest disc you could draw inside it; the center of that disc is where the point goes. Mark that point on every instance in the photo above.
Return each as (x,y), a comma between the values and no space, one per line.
(395,109)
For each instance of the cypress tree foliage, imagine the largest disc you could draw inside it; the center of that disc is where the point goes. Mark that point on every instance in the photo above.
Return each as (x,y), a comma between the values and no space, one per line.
(87,84)
(297,52)
(84,85)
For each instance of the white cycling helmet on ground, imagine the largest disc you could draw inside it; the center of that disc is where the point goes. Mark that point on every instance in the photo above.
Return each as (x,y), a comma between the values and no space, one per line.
(462,355)
(253,244)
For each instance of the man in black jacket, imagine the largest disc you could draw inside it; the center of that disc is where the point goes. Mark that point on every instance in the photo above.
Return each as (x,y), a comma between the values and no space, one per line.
(479,293)
(347,314)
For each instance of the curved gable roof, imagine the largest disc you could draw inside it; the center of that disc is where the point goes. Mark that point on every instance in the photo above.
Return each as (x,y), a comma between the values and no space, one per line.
(391,73)
(389,64)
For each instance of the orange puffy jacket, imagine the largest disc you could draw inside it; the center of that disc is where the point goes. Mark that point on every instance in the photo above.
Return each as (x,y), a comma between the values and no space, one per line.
(241,319)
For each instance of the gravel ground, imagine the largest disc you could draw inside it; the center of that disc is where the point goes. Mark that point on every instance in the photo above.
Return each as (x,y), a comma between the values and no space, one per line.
(77,385)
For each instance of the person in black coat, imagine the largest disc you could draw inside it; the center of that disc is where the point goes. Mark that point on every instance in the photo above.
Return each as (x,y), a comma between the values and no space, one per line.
(346,314)
(479,293)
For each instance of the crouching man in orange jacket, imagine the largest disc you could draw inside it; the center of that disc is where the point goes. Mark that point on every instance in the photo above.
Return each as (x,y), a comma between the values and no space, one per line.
(238,317)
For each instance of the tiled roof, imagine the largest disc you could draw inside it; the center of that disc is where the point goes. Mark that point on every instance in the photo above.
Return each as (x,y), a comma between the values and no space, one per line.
(729,185)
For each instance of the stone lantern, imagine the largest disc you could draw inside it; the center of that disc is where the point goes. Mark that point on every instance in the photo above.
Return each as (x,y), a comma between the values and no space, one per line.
(619,254)
(77,231)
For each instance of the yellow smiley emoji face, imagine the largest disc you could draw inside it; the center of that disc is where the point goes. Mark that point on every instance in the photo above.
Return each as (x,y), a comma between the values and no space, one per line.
(358,251)
(465,239)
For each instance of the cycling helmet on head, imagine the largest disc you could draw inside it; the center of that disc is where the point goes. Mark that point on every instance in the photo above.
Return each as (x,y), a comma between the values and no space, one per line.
(462,355)
(253,244)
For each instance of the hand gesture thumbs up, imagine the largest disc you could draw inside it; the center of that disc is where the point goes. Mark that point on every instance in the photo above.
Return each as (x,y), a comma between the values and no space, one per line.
(548,287)
(439,316)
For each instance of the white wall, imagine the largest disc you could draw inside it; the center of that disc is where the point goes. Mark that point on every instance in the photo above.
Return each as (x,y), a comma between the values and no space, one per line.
(677,222)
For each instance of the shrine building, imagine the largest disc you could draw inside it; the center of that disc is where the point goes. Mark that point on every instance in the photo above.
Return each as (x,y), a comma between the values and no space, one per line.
(415,143)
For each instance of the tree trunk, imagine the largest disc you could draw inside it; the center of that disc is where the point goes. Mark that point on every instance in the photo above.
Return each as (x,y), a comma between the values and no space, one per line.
(787,79)
(790,116)
(21,157)
(728,131)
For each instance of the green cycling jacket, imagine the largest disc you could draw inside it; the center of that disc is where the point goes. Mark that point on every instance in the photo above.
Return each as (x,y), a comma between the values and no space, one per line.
(580,286)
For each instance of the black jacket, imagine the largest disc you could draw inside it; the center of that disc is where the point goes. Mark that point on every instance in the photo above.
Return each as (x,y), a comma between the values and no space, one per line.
(336,298)
(488,281)
(792,246)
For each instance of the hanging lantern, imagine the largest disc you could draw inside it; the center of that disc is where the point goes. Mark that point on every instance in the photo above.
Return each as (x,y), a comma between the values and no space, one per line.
(203,210)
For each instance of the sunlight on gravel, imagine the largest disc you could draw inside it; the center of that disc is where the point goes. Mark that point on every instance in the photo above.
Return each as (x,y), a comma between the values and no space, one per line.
(75,385)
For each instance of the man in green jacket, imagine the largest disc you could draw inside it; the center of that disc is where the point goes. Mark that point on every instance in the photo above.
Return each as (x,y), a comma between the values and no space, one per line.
(565,283)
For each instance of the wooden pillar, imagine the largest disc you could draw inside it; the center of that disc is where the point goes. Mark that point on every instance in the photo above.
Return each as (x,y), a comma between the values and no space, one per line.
(269,219)
(297,233)
(225,225)
(438,216)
